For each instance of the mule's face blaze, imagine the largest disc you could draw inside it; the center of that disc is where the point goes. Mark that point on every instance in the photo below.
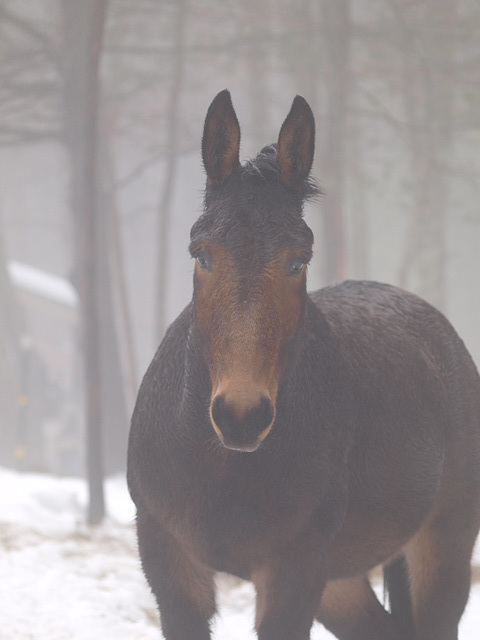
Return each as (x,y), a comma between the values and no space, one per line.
(251,248)
(248,308)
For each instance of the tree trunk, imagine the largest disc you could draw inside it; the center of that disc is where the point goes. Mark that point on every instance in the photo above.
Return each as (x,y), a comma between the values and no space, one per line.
(117,270)
(111,309)
(173,125)
(429,105)
(360,231)
(84,25)
(12,451)
(337,41)
(257,77)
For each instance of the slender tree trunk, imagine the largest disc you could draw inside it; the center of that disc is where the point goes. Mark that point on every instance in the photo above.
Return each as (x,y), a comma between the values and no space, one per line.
(256,63)
(12,450)
(440,106)
(114,418)
(117,269)
(337,42)
(173,125)
(429,105)
(359,218)
(84,26)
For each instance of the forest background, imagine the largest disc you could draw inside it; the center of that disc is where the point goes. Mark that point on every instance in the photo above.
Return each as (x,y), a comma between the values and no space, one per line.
(101,112)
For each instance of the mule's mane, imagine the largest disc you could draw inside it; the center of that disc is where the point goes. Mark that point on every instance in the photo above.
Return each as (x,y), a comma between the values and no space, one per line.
(265,168)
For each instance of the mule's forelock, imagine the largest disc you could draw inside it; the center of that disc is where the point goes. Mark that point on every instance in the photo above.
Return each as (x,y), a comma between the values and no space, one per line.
(265,166)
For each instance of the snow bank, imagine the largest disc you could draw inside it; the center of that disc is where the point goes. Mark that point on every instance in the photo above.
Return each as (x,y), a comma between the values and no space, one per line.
(51,504)
(62,580)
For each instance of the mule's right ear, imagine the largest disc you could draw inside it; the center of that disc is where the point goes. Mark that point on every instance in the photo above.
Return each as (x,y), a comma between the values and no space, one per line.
(221,139)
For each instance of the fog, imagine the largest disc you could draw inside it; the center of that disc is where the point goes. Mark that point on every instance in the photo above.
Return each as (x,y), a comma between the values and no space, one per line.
(101,114)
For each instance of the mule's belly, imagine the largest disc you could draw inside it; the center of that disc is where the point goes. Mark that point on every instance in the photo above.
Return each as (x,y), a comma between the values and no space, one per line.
(364,542)
(235,530)
(361,546)
(239,543)
(370,537)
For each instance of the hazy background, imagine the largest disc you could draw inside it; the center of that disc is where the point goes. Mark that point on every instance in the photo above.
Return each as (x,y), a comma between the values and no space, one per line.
(101,114)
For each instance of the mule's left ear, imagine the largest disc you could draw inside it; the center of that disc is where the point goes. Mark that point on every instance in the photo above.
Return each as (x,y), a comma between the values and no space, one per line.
(221,139)
(296,144)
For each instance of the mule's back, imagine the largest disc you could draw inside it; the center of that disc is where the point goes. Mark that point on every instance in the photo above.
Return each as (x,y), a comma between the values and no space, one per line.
(388,334)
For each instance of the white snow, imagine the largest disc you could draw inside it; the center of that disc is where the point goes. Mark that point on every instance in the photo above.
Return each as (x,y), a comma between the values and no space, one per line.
(62,580)
(43,284)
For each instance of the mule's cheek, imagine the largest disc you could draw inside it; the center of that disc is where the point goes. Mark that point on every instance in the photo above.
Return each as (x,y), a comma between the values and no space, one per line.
(291,309)
(211,339)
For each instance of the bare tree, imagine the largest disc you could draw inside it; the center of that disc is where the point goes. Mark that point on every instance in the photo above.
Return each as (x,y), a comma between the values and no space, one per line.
(429,94)
(12,450)
(337,44)
(29,80)
(172,152)
(28,106)
(83,29)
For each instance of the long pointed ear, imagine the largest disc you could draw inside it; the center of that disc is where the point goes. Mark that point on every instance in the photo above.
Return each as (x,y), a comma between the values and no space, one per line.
(296,144)
(221,139)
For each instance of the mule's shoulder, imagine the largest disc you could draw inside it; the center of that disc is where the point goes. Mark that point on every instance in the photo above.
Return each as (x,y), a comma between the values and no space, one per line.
(382,318)
(172,347)
(363,290)
(159,395)
(374,301)
(164,376)
(371,322)
(176,335)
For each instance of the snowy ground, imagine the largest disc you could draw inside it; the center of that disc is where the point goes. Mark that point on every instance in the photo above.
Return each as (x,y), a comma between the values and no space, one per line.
(60,580)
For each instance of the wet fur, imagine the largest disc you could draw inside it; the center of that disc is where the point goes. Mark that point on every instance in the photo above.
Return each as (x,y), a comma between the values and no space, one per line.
(373,457)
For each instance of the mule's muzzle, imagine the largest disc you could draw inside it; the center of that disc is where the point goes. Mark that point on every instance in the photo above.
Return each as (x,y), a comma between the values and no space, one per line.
(242,432)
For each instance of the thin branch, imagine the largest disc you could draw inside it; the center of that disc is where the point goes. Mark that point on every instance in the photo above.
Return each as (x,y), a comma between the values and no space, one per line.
(17,137)
(28,28)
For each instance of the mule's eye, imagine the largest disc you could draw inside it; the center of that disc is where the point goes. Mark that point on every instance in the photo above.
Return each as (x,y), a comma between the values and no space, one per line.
(204,260)
(295,266)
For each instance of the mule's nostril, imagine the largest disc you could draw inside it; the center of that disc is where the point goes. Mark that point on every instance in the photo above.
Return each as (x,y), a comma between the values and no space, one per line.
(218,410)
(242,430)
(263,414)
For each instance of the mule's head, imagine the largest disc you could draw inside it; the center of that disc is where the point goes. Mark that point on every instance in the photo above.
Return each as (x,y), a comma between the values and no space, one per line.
(251,247)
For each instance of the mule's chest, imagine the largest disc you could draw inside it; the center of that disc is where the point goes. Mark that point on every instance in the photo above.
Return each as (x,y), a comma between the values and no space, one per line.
(233,523)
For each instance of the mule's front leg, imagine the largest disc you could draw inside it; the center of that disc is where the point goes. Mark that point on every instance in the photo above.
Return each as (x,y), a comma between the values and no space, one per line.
(183,587)
(289,590)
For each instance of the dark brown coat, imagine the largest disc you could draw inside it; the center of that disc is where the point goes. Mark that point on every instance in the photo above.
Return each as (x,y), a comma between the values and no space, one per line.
(301,440)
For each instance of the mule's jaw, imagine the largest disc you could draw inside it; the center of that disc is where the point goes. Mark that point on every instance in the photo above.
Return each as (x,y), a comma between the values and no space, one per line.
(246,448)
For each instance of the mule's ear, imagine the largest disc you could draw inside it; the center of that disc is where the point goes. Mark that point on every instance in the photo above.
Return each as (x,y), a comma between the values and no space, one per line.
(296,143)
(221,139)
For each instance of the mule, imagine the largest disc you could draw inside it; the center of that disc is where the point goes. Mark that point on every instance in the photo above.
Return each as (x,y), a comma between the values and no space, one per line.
(296,440)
